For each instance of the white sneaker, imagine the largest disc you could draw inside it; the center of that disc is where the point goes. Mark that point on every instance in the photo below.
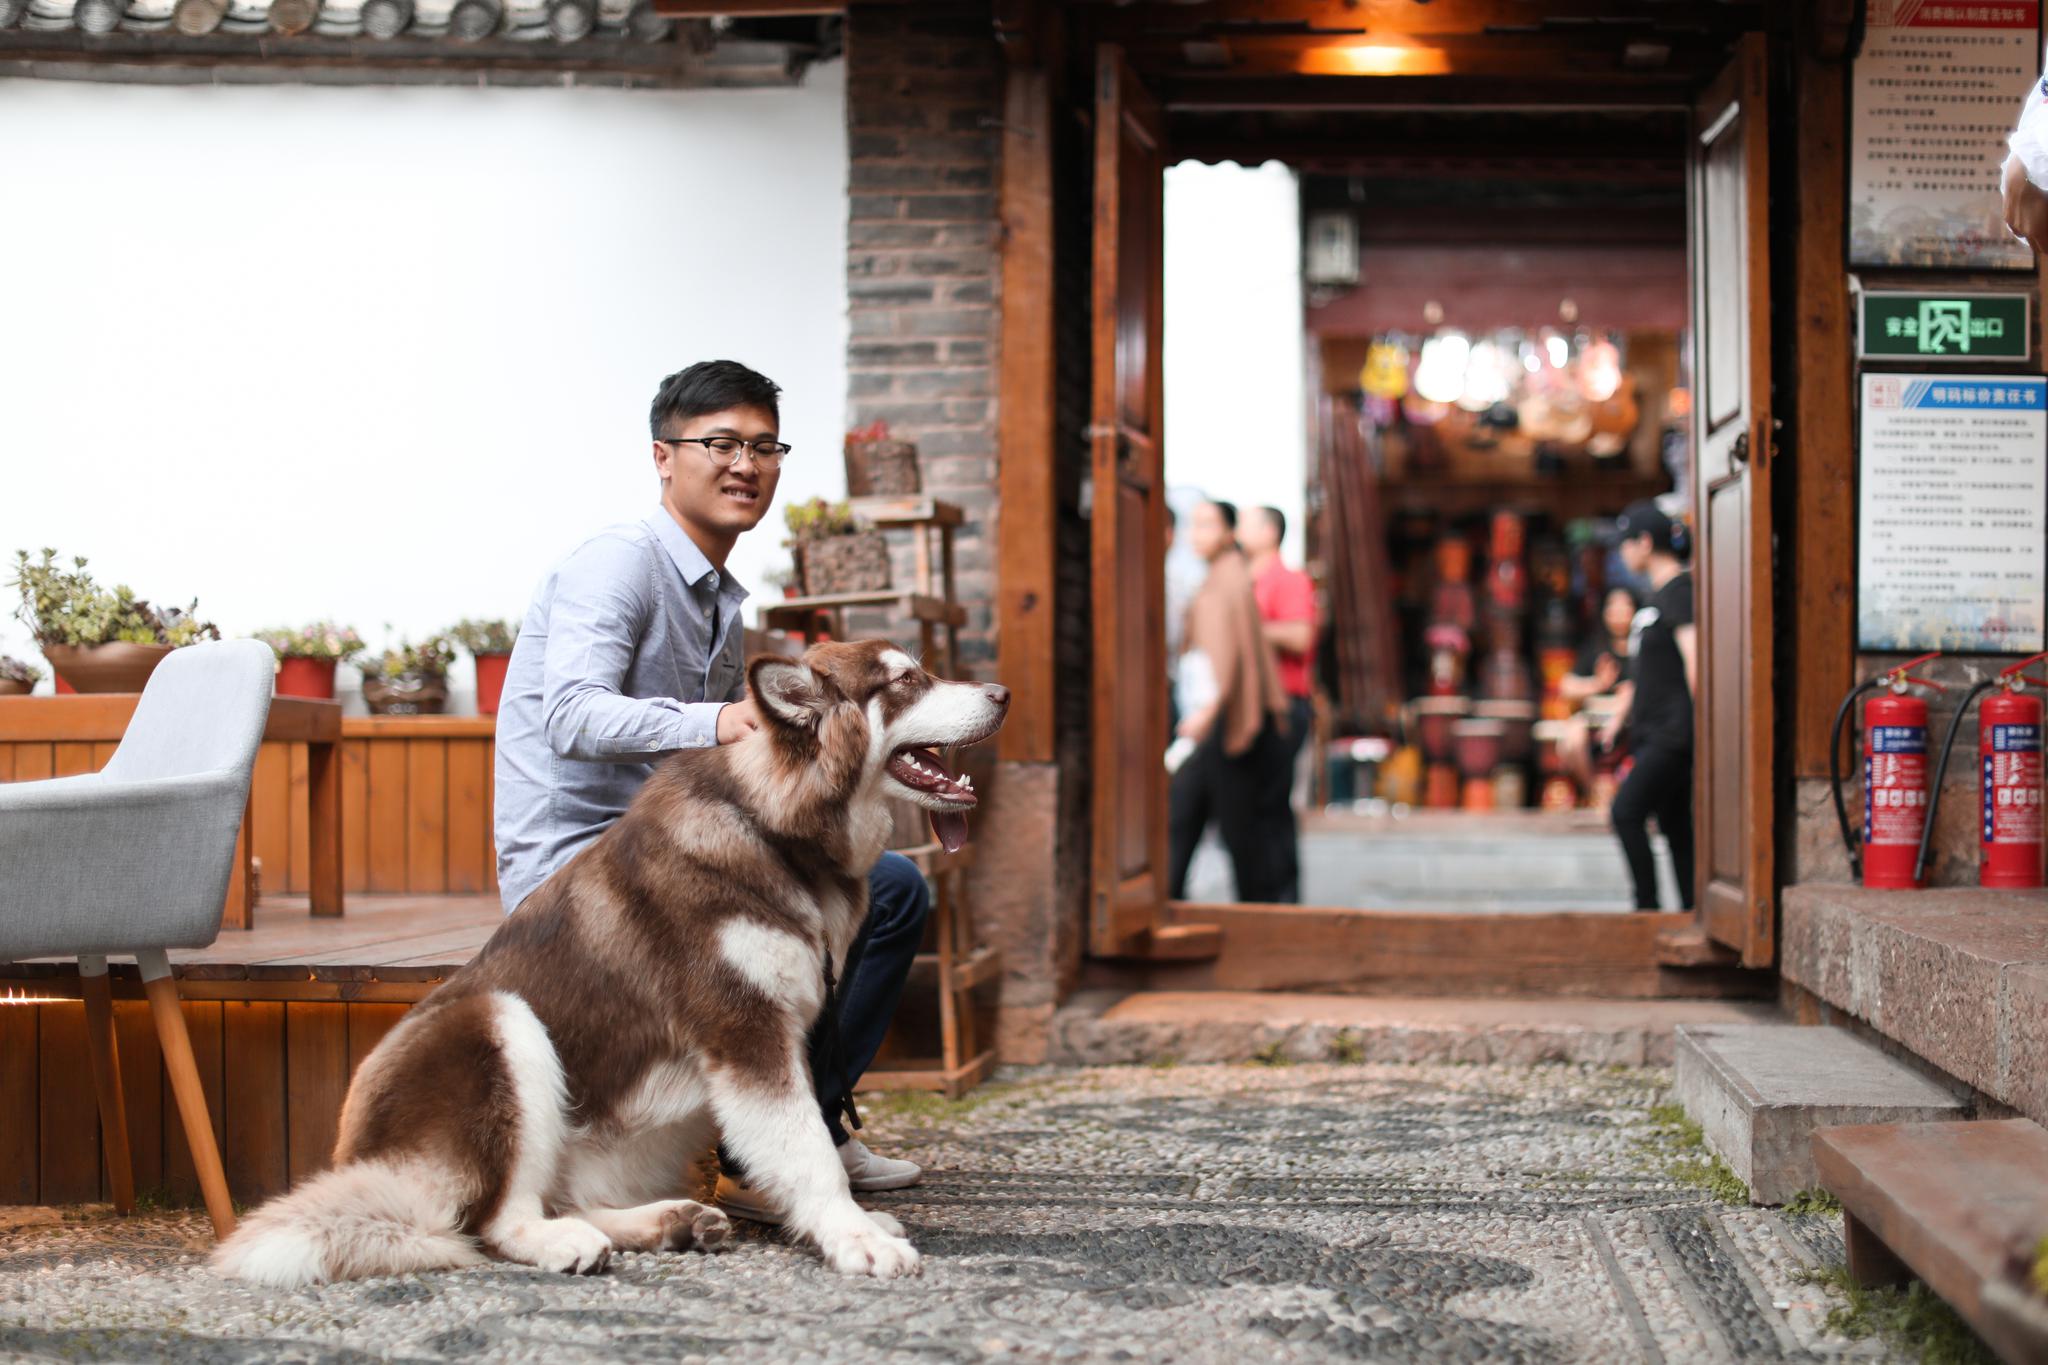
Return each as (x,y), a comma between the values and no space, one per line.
(866,1171)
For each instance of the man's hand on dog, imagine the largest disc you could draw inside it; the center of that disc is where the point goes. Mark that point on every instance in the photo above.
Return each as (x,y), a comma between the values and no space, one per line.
(737,720)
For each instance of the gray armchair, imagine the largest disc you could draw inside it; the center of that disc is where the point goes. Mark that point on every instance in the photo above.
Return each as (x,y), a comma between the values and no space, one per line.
(135,859)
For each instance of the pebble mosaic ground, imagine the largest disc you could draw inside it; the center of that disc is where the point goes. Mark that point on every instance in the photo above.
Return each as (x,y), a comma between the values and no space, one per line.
(1218,1213)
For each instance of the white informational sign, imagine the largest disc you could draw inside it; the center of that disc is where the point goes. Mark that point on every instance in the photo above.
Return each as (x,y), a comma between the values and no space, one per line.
(1952,524)
(1938,87)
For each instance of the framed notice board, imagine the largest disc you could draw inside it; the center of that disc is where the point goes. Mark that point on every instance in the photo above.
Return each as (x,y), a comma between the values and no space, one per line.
(1952,513)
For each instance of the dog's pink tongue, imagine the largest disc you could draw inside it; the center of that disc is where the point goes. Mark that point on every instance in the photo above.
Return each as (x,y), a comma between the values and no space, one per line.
(950,828)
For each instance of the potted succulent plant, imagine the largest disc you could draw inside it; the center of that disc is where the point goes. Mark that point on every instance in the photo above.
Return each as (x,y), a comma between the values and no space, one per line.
(409,679)
(306,657)
(783,579)
(490,643)
(17,678)
(98,639)
(834,553)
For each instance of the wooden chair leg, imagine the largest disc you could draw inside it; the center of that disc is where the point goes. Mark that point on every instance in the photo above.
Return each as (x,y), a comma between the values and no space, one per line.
(106,1080)
(184,1074)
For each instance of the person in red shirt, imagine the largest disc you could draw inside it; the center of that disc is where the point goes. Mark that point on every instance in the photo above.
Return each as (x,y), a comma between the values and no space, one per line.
(1287,605)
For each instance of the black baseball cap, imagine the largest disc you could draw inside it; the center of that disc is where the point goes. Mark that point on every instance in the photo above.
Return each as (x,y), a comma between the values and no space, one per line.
(1645,517)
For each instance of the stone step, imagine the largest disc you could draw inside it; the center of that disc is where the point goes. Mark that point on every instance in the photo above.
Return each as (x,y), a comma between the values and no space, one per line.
(1101,1028)
(1758,1092)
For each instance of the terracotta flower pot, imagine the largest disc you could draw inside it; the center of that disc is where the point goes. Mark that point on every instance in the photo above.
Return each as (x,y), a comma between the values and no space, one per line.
(116,667)
(406,696)
(305,678)
(490,682)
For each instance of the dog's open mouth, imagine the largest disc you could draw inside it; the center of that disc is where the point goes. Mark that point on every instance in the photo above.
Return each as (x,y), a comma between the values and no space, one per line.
(919,768)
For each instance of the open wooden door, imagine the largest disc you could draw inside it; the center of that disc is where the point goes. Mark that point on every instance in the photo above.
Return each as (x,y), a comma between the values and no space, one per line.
(1732,474)
(1127,891)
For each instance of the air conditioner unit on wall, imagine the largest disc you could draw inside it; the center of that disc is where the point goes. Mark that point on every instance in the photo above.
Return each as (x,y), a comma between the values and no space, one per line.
(1332,254)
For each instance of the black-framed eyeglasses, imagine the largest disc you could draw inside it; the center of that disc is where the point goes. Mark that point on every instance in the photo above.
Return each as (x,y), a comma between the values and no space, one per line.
(726,449)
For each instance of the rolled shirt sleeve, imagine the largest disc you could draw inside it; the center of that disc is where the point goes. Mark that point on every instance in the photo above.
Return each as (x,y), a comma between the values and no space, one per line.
(602,602)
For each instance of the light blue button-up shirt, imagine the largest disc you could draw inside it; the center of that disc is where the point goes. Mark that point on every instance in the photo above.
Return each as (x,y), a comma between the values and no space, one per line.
(631,647)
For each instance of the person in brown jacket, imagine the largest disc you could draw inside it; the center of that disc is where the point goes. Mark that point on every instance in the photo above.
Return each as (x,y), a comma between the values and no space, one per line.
(1236,716)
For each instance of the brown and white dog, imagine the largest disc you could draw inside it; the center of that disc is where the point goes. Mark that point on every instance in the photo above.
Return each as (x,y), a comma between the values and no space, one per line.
(544,1105)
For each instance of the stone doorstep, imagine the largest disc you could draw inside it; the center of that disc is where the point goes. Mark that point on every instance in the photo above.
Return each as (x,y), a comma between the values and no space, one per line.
(1758,1092)
(1957,976)
(1106,1028)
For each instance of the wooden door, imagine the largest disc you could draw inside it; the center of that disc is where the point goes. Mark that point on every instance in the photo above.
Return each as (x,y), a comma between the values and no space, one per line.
(1128,527)
(1732,475)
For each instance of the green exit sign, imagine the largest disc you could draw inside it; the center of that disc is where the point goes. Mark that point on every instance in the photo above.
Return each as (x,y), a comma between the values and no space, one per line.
(1946,326)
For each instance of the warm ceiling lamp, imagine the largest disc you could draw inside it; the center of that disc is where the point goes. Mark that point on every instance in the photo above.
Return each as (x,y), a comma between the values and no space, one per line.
(1374,59)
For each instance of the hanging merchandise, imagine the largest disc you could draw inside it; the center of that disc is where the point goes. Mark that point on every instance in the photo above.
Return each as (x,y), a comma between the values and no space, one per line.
(1385,374)
(1440,374)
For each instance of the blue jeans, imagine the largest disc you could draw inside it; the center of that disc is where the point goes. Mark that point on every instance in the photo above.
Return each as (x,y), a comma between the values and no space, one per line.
(871,985)
(877,965)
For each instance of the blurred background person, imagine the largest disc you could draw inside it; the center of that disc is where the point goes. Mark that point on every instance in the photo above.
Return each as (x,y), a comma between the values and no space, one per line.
(1238,772)
(1287,607)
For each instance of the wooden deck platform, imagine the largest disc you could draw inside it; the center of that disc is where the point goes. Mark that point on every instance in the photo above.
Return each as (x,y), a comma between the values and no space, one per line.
(386,949)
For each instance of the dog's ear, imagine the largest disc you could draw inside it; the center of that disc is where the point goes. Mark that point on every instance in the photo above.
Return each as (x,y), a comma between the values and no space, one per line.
(789,692)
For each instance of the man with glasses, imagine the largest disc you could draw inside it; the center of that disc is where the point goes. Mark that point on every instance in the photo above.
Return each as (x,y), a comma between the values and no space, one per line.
(633,649)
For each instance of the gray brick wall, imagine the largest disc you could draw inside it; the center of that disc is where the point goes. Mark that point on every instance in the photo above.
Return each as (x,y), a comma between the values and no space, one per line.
(923,100)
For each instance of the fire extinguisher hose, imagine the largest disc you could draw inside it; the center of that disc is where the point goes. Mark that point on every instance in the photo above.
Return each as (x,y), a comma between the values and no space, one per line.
(1955,723)
(1850,843)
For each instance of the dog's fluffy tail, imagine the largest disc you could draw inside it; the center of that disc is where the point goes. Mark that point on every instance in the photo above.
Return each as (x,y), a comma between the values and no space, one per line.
(366,1218)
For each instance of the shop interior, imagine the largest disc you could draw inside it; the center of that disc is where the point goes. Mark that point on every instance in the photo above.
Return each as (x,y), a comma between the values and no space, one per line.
(1497,356)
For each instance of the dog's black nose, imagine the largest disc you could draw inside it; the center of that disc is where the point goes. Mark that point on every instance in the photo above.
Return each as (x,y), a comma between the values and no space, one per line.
(997,693)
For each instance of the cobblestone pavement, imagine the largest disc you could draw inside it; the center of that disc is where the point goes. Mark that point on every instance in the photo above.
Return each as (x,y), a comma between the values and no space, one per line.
(1223,1213)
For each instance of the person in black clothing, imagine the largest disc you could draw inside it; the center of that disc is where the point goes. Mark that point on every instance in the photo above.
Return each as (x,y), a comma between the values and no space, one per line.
(1656,710)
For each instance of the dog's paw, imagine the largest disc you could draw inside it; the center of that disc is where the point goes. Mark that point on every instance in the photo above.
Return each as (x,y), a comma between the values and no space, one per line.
(690,1225)
(567,1246)
(885,1222)
(864,1249)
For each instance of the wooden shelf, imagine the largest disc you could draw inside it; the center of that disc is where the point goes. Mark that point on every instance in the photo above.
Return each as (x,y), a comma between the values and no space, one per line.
(917,606)
(891,513)
(1566,497)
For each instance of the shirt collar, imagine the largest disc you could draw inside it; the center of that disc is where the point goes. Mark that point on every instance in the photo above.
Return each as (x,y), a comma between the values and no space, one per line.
(688,559)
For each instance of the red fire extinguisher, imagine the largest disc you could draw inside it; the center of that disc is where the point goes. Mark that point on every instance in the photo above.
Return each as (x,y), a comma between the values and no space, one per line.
(1897,803)
(2009,762)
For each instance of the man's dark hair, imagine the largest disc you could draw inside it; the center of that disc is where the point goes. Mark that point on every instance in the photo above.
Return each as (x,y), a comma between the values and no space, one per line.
(1279,519)
(1229,511)
(710,386)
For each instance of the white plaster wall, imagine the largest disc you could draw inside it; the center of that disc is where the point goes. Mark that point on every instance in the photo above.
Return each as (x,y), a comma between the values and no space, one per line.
(385,354)
(1236,425)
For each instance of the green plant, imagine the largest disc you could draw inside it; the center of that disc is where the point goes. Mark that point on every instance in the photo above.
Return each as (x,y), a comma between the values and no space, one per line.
(1679,1148)
(427,659)
(1347,1047)
(15,671)
(320,640)
(484,637)
(1914,1319)
(1273,1054)
(2038,1277)
(1814,1201)
(66,607)
(818,519)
